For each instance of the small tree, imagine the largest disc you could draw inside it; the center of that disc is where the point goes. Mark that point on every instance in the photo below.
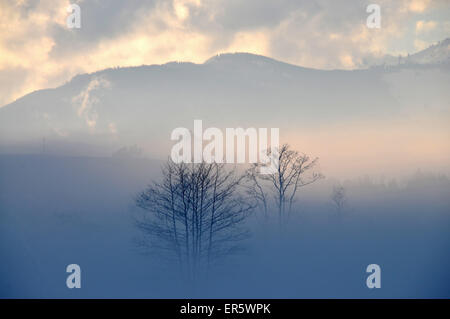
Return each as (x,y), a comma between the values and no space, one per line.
(295,170)
(195,214)
(338,198)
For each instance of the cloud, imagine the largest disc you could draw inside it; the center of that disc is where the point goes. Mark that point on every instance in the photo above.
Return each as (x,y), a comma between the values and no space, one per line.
(424,26)
(420,45)
(37,50)
(418,5)
(112,128)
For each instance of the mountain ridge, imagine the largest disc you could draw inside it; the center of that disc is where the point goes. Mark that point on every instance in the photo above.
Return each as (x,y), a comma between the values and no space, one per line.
(114,108)
(438,53)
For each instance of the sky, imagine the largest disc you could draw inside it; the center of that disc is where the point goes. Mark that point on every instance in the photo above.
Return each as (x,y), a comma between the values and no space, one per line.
(38,50)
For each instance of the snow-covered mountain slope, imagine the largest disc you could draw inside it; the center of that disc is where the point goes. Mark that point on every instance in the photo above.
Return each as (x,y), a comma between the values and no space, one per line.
(437,54)
(102,112)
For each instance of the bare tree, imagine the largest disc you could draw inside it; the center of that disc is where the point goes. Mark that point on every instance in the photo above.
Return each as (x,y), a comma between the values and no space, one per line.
(256,190)
(338,198)
(294,171)
(195,214)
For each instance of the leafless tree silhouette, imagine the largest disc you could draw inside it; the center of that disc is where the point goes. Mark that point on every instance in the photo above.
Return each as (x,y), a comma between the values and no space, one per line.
(255,189)
(195,214)
(338,198)
(295,170)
